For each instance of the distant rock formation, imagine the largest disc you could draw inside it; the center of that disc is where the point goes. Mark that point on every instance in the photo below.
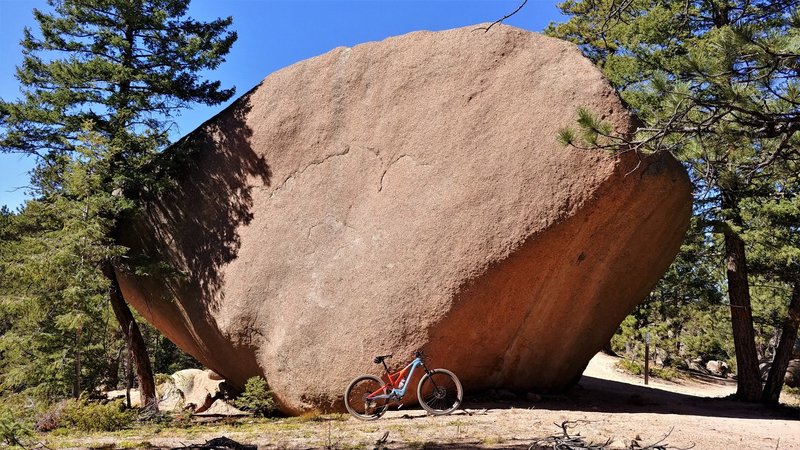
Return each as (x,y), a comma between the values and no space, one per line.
(407,194)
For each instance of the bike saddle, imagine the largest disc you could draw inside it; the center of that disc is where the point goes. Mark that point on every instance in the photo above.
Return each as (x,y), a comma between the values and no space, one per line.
(379,359)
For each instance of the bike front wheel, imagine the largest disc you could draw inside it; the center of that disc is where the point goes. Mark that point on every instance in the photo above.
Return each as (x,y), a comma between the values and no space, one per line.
(357,401)
(440,392)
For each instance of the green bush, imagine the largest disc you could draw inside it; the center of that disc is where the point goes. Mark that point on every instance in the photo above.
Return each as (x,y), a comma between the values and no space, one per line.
(666,373)
(631,367)
(257,398)
(86,416)
(13,431)
(637,368)
(17,411)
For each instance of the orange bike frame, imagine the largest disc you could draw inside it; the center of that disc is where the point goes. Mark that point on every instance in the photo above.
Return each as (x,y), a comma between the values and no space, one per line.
(394,379)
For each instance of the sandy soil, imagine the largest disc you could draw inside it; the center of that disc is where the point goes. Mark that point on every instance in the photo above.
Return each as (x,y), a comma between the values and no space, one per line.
(606,405)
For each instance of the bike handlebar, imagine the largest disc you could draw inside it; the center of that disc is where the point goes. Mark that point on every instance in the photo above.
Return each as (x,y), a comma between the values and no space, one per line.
(381,358)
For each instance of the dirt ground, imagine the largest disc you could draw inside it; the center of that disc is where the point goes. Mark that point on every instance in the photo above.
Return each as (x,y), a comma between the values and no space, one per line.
(606,405)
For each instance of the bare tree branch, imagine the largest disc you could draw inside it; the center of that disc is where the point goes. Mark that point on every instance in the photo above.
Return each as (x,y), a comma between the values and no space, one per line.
(486,29)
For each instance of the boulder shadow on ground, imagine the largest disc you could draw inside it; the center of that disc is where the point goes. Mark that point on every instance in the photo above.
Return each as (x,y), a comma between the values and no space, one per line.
(600,395)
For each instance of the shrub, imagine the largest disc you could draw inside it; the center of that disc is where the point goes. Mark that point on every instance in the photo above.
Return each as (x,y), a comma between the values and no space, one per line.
(632,367)
(257,398)
(665,373)
(16,417)
(49,420)
(93,416)
(13,432)
(637,368)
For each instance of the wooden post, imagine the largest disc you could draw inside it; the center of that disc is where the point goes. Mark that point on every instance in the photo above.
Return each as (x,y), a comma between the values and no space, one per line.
(647,358)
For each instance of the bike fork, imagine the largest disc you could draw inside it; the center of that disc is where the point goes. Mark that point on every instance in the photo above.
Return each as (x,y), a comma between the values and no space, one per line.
(428,373)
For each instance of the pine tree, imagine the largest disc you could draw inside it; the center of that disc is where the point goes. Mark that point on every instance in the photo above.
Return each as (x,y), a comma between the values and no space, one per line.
(54,334)
(101,84)
(716,83)
(773,236)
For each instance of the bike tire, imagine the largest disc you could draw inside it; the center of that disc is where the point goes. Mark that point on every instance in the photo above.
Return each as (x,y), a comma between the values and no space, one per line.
(356,402)
(439,392)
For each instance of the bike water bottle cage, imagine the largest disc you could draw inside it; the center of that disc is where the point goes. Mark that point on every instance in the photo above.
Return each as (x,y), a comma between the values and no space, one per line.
(379,359)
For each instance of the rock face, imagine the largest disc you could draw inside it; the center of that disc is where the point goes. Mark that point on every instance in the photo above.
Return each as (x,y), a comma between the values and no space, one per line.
(409,194)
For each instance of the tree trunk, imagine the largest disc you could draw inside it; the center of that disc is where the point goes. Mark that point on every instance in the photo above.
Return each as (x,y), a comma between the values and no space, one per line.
(76,386)
(138,348)
(783,353)
(128,373)
(744,340)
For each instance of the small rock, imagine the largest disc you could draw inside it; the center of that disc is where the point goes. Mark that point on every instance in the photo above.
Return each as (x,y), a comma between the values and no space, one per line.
(120,394)
(222,408)
(698,368)
(505,394)
(792,377)
(533,397)
(718,368)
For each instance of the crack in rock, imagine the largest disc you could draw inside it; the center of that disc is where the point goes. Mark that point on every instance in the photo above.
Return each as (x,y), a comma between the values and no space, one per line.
(392,163)
(313,163)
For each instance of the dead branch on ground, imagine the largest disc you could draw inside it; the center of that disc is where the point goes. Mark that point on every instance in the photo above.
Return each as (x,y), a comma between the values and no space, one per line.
(566,441)
(220,443)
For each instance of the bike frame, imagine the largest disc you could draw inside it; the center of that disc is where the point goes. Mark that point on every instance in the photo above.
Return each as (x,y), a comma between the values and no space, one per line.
(407,372)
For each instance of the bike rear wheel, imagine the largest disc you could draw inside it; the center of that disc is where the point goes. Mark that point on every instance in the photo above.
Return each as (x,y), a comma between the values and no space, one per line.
(440,392)
(356,398)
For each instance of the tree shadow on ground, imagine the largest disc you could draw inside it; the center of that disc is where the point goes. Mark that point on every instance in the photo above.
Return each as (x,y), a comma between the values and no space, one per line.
(600,395)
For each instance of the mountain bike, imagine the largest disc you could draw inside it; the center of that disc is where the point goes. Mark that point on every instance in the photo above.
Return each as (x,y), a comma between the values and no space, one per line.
(439,391)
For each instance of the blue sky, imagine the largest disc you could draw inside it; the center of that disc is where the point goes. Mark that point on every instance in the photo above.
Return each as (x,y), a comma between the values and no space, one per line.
(272,34)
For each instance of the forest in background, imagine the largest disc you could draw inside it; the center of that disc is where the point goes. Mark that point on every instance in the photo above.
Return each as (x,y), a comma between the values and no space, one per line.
(715,82)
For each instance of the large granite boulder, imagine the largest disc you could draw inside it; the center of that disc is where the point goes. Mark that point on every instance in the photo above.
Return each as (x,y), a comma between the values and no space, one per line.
(408,194)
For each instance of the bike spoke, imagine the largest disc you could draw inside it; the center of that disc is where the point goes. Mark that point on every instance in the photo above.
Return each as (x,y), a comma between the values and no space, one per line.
(358,401)
(440,392)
